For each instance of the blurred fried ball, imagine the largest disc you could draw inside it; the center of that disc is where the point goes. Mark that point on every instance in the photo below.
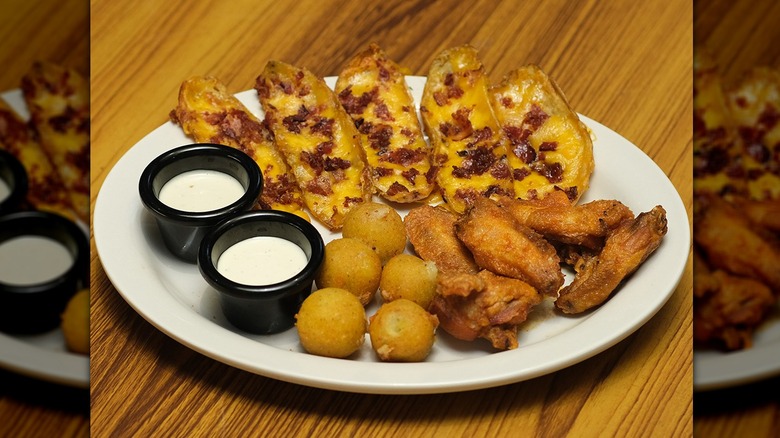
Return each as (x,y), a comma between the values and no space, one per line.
(75,322)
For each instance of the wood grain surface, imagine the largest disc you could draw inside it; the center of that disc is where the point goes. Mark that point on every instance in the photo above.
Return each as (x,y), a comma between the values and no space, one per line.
(739,35)
(625,64)
(56,31)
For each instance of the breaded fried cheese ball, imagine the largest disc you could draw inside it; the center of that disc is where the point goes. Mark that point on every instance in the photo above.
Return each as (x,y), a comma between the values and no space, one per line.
(410,277)
(352,265)
(331,322)
(402,331)
(75,322)
(378,226)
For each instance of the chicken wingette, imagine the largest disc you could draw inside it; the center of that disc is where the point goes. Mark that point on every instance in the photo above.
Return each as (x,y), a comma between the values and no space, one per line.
(318,140)
(550,148)
(58,101)
(468,144)
(373,90)
(209,114)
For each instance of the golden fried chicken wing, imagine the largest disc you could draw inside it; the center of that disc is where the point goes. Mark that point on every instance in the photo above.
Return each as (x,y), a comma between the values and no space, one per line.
(483,305)
(625,249)
(727,308)
(557,219)
(735,244)
(431,230)
(502,245)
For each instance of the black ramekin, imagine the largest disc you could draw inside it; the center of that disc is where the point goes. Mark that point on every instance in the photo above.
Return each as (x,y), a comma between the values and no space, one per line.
(270,308)
(14,175)
(182,231)
(37,307)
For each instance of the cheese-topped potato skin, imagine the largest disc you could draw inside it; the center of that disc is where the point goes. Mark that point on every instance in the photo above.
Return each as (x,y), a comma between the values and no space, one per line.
(468,144)
(58,100)
(372,89)
(209,114)
(550,148)
(318,140)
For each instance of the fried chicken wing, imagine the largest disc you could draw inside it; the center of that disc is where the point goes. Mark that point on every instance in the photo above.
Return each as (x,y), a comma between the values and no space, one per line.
(727,308)
(735,244)
(625,249)
(502,245)
(556,219)
(431,230)
(483,305)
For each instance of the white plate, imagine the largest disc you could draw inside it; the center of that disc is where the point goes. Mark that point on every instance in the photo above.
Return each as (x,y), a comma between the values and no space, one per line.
(173,297)
(41,356)
(714,369)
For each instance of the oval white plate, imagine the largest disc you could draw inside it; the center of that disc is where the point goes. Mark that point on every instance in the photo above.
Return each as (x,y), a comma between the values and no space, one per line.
(42,356)
(172,296)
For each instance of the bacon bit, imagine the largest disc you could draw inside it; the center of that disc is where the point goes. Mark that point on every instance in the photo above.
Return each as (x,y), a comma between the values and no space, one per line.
(62,122)
(758,152)
(286,87)
(404,156)
(430,175)
(396,188)
(348,201)
(501,170)
(304,90)
(384,74)
(571,192)
(553,172)
(440,98)
(507,102)
(410,174)
(293,123)
(548,146)
(357,104)
(741,102)
(525,152)
(406,132)
(323,126)
(477,161)
(495,190)
(462,127)
(279,190)
(520,174)
(379,137)
(382,112)
(380,172)
(535,117)
(406,109)
(319,186)
(483,134)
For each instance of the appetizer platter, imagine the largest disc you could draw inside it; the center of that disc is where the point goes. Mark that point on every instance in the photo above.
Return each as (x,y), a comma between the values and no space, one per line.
(171,294)
(59,355)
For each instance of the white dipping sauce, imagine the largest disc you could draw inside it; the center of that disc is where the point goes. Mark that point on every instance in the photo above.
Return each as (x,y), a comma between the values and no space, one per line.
(4,190)
(262,260)
(30,259)
(201,190)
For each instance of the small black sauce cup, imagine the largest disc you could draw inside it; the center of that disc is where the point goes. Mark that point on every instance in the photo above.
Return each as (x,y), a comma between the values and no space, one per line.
(15,177)
(182,231)
(36,308)
(269,308)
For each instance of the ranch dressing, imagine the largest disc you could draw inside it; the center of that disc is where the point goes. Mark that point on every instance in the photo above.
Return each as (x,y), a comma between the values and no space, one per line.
(4,190)
(30,259)
(262,260)
(201,190)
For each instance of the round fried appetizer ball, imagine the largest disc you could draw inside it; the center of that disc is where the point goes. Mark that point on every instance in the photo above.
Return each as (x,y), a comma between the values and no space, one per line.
(377,225)
(331,322)
(410,277)
(402,331)
(352,265)
(75,322)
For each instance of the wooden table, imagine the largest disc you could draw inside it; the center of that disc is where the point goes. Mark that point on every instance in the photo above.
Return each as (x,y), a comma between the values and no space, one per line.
(739,35)
(56,31)
(626,64)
